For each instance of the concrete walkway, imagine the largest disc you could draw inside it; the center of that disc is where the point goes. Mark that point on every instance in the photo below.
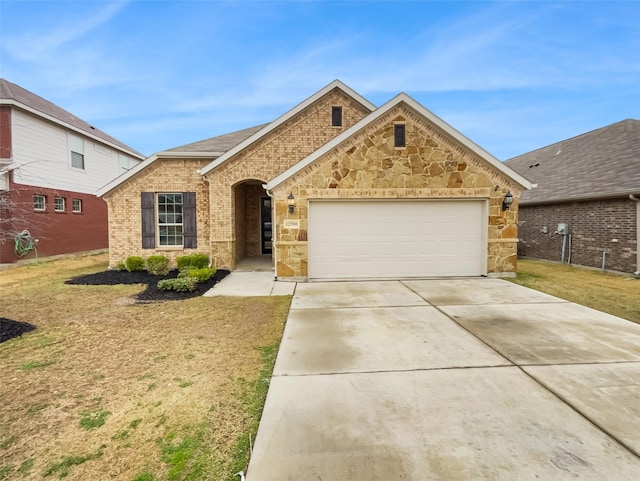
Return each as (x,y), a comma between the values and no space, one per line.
(253,276)
(469,379)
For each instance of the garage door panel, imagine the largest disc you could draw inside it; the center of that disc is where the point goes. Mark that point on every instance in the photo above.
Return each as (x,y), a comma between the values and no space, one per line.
(396,239)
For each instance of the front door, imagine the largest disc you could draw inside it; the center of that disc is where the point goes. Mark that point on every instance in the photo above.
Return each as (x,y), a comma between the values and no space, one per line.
(266,231)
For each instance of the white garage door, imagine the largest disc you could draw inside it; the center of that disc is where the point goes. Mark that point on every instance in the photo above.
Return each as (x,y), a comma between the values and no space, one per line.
(397,239)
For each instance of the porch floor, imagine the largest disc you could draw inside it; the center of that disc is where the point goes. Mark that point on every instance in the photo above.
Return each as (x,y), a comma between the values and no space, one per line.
(253,264)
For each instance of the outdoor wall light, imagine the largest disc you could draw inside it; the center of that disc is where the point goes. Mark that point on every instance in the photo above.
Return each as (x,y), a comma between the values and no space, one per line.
(507,201)
(291,203)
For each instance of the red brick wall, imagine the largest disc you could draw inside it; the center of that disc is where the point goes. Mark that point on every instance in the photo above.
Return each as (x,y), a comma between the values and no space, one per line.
(5,132)
(58,232)
(595,226)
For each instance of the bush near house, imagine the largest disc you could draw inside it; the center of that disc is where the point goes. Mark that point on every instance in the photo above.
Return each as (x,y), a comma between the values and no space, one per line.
(179,284)
(158,265)
(203,274)
(193,261)
(134,264)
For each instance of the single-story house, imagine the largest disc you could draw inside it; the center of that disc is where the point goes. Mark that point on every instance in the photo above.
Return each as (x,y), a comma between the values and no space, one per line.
(585,208)
(335,188)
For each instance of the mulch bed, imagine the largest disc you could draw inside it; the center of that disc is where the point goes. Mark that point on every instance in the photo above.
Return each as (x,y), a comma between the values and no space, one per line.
(10,328)
(151,293)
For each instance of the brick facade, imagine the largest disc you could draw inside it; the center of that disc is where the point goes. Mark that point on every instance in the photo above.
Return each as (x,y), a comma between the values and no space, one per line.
(57,232)
(264,160)
(125,213)
(368,166)
(597,226)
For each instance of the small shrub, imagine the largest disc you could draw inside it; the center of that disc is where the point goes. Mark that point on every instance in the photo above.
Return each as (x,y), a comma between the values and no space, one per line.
(121,266)
(193,261)
(202,275)
(134,264)
(179,284)
(158,265)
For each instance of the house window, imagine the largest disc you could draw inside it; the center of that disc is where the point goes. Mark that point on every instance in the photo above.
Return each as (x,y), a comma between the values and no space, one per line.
(39,203)
(399,135)
(170,219)
(76,145)
(336,116)
(76,205)
(59,204)
(124,163)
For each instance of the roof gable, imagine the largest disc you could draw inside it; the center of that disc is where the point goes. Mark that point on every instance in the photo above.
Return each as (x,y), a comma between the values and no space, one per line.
(285,117)
(12,94)
(602,163)
(419,109)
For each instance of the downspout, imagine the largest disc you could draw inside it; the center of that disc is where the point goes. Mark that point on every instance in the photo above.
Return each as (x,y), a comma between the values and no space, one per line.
(637,201)
(274,227)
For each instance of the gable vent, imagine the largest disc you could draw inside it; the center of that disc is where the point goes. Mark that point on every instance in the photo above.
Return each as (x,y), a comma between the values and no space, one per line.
(399,135)
(336,116)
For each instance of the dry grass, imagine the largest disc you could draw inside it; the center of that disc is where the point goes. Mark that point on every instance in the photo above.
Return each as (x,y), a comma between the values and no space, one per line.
(616,294)
(171,381)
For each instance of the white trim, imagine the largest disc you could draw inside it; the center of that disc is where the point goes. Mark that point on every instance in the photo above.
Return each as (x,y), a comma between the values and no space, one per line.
(283,118)
(68,126)
(430,116)
(147,162)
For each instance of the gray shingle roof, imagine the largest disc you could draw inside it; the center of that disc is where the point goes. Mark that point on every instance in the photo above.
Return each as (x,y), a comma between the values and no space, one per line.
(221,144)
(601,163)
(11,91)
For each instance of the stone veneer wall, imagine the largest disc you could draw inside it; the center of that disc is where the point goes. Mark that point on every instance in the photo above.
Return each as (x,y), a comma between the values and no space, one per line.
(125,222)
(369,166)
(268,157)
(596,226)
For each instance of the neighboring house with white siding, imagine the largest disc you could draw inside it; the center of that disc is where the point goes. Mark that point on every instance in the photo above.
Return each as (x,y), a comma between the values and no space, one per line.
(51,165)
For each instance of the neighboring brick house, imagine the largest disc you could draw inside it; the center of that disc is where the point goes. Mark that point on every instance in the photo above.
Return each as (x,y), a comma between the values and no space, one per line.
(590,183)
(51,164)
(334,188)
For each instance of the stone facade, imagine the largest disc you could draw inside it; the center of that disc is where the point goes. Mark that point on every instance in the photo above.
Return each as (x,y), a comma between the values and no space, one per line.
(125,213)
(264,160)
(598,226)
(368,166)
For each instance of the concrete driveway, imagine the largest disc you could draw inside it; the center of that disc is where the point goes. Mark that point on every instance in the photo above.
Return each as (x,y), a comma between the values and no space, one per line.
(465,379)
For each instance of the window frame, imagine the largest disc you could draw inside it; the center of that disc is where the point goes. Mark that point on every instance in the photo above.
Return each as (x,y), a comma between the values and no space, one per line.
(76,151)
(162,209)
(44,203)
(56,200)
(73,206)
(336,116)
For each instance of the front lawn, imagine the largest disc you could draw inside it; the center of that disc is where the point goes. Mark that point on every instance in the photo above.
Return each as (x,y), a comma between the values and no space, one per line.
(616,294)
(108,388)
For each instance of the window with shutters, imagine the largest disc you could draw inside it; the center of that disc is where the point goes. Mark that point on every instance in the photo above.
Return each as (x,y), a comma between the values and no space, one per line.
(336,116)
(399,135)
(168,219)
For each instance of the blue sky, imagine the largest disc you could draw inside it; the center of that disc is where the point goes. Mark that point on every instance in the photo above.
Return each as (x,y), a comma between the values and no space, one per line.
(511,76)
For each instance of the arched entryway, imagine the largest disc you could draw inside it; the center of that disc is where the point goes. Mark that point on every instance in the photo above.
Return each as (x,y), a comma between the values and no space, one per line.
(253,227)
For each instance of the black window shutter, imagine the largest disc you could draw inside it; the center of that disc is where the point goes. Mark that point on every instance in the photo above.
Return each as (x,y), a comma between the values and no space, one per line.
(399,135)
(189,231)
(148,220)
(336,116)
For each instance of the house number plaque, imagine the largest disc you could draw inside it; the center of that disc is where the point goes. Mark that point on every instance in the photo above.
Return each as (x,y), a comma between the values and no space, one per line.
(291,223)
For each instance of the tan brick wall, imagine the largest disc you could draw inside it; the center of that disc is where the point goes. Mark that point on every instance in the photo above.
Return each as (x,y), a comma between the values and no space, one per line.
(432,165)
(267,158)
(125,212)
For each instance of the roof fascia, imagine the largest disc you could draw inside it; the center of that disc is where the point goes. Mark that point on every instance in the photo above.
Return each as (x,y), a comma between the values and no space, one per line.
(430,116)
(147,162)
(582,198)
(286,116)
(68,126)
